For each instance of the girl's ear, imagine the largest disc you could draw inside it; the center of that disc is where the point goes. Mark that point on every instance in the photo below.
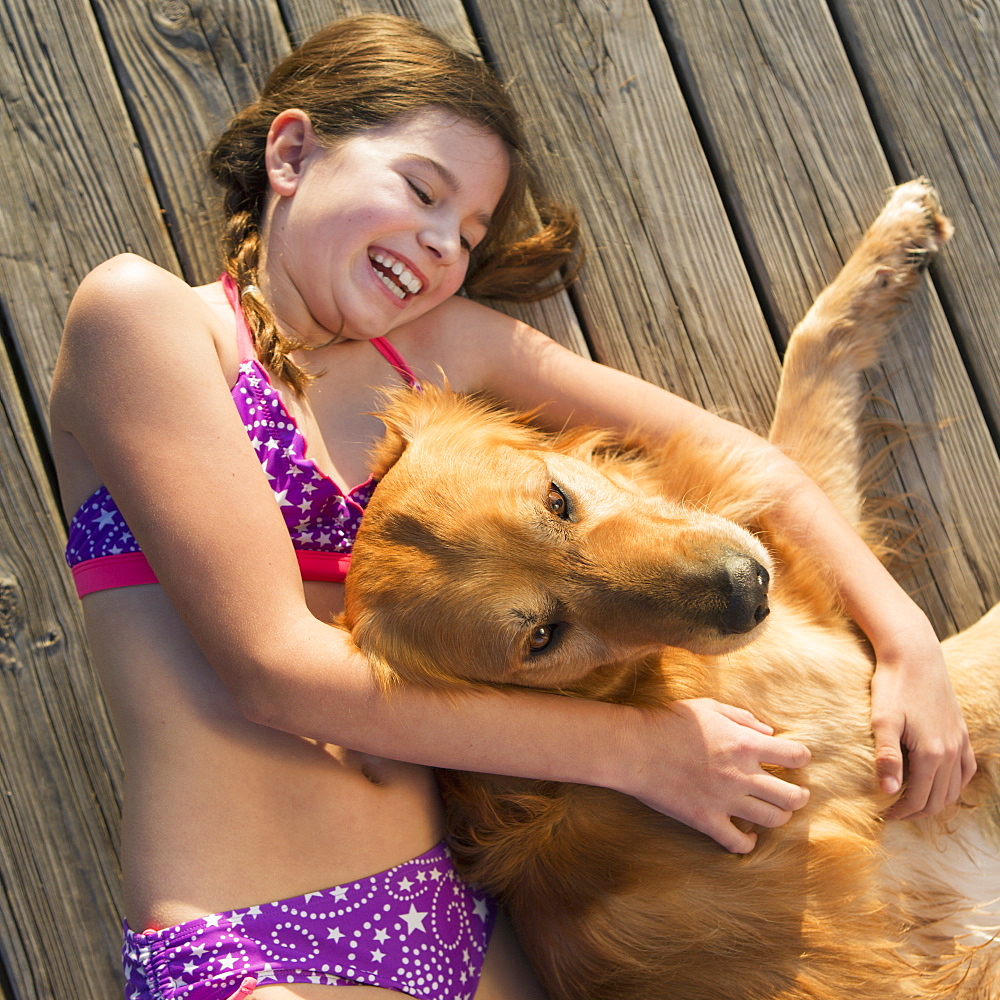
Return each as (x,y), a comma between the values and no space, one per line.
(290,140)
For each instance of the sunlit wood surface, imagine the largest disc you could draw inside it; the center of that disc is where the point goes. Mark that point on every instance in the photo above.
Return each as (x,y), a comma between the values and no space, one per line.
(725,156)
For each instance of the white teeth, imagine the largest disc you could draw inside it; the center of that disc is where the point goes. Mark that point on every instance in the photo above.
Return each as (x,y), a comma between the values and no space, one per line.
(391,285)
(410,282)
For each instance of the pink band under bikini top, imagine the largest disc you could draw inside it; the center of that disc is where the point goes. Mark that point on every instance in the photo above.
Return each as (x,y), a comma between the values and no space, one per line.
(322,519)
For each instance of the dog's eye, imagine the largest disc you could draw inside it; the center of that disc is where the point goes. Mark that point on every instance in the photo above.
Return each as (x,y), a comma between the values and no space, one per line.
(541,637)
(557,502)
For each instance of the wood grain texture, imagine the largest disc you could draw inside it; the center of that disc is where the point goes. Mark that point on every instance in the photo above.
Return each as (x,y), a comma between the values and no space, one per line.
(60,771)
(777,100)
(78,190)
(79,193)
(447,17)
(664,293)
(931,74)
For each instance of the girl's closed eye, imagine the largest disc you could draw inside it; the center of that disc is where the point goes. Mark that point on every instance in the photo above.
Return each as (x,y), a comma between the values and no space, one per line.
(420,192)
(427,199)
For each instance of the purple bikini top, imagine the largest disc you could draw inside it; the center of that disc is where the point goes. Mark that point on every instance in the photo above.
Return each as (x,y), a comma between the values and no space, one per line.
(322,519)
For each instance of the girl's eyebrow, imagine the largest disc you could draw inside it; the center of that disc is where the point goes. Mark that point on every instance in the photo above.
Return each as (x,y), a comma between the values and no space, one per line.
(450,181)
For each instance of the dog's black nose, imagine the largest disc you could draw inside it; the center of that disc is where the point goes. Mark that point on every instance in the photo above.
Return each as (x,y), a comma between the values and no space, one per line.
(747,583)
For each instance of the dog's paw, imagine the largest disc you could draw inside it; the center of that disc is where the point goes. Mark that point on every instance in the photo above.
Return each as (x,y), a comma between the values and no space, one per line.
(907,233)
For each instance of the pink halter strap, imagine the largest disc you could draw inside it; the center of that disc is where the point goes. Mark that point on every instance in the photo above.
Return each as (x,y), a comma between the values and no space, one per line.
(244,340)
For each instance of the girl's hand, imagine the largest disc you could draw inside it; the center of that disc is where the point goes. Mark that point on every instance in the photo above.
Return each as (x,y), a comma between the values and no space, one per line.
(711,773)
(914,706)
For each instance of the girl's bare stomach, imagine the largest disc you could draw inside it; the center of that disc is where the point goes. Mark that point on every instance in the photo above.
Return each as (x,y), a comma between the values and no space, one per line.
(221,813)
(246,828)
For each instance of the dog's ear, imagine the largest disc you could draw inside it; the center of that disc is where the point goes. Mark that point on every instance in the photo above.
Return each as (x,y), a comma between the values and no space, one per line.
(389,449)
(405,412)
(438,410)
(385,676)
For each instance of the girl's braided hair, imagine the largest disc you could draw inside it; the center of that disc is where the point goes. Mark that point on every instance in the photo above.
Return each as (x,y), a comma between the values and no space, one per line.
(370,71)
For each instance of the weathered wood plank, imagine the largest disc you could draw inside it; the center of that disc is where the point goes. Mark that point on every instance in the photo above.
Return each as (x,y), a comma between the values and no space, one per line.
(81,191)
(60,772)
(85,197)
(664,294)
(88,197)
(931,74)
(804,173)
(446,17)
(184,69)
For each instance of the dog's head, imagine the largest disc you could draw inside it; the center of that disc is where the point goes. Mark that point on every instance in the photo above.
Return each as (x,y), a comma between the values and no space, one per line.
(491,551)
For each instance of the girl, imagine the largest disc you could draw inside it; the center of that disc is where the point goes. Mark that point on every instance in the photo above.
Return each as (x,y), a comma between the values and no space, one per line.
(200,437)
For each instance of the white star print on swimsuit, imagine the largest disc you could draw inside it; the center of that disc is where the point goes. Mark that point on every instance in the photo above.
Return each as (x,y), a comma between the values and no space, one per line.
(319,516)
(416,928)
(322,519)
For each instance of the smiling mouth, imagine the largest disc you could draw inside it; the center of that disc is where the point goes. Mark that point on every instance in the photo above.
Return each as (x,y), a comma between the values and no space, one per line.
(394,274)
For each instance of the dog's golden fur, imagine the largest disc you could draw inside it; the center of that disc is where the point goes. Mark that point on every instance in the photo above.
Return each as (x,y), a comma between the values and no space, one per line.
(469,569)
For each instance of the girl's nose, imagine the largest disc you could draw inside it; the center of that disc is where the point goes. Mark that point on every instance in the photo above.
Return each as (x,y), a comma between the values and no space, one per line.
(443,242)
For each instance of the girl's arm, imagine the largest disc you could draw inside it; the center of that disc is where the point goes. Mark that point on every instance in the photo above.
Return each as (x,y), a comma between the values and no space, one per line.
(139,387)
(913,704)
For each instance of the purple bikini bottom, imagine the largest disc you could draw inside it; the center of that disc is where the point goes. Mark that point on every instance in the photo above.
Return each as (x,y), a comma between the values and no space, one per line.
(416,928)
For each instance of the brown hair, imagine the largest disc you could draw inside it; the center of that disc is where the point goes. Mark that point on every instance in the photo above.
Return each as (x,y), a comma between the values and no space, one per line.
(365,72)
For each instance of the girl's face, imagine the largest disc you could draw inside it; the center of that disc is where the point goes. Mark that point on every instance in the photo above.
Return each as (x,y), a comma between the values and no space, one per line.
(366,236)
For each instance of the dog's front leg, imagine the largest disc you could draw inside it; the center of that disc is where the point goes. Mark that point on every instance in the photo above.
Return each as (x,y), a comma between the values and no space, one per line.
(820,397)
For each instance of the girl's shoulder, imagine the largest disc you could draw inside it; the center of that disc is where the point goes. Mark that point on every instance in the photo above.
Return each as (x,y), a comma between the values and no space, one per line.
(469,341)
(127,274)
(130,315)
(130,289)
(130,305)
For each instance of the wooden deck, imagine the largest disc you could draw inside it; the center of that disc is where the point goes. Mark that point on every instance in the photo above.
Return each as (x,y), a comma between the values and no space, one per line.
(725,155)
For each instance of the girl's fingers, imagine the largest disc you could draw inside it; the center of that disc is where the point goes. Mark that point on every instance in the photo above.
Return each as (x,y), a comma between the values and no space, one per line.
(732,838)
(782,752)
(745,718)
(763,813)
(919,786)
(782,796)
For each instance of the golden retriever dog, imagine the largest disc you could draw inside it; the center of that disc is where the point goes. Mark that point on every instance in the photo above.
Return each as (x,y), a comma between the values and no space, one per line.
(494,553)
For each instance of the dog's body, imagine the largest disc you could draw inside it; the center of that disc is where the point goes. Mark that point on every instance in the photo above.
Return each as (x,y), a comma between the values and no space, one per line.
(611,572)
